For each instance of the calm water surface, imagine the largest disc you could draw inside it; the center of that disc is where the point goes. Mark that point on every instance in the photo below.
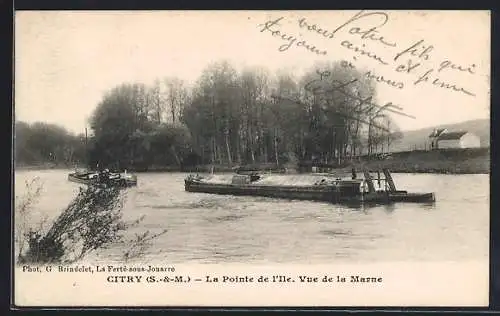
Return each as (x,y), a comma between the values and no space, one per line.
(204,228)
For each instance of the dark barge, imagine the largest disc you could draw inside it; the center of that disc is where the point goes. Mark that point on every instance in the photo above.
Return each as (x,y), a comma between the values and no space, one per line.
(329,189)
(108,178)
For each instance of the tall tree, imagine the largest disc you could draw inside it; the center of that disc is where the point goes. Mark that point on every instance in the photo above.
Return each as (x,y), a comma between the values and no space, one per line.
(117,122)
(176,95)
(336,97)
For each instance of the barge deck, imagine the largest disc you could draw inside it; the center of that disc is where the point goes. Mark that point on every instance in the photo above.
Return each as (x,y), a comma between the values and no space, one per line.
(327,190)
(112,179)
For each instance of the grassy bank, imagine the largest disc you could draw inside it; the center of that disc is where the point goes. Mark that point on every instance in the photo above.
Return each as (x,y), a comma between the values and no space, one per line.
(444,161)
(452,161)
(40,166)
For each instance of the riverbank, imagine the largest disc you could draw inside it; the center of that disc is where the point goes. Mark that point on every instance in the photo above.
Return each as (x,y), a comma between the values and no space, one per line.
(444,161)
(42,166)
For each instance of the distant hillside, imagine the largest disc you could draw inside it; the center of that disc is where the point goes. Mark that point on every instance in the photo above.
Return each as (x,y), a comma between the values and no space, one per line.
(417,139)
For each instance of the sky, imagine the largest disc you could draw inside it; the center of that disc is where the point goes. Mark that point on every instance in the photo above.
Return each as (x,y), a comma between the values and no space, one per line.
(65,61)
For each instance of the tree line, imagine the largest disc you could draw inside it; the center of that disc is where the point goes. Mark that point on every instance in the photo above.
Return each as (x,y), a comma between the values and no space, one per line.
(327,115)
(41,143)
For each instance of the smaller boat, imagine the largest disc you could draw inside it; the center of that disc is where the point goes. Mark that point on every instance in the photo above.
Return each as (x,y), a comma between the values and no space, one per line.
(104,177)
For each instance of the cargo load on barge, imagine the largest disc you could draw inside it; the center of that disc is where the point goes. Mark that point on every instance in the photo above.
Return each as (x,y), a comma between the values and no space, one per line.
(105,177)
(328,189)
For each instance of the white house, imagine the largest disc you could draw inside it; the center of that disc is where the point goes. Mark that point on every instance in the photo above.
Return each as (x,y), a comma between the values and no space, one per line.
(441,139)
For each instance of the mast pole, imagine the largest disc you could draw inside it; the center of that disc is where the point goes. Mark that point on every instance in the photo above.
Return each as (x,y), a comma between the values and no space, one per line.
(86,149)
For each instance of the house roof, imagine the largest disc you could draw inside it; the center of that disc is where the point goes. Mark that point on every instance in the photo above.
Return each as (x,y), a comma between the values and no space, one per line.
(452,135)
(437,132)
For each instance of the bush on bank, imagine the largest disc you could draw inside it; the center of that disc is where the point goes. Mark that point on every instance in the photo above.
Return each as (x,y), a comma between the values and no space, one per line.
(91,221)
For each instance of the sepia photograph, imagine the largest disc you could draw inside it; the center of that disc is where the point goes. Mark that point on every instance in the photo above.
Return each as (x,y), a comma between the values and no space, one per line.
(251,158)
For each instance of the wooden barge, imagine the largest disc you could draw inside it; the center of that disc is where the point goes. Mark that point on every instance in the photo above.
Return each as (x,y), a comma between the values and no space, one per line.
(96,178)
(327,190)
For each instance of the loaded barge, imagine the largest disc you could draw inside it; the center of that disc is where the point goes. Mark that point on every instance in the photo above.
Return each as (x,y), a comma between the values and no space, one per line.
(96,178)
(328,189)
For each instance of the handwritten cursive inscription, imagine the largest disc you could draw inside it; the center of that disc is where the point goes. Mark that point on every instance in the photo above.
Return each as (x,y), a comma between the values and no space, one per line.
(416,50)
(426,77)
(313,87)
(317,87)
(273,28)
(395,84)
(368,33)
(362,36)
(448,65)
(409,67)
(361,51)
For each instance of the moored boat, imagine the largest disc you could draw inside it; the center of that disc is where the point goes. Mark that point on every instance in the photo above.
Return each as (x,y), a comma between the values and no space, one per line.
(328,189)
(108,178)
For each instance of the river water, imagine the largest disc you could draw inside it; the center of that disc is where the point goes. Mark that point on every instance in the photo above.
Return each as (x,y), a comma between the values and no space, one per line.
(204,228)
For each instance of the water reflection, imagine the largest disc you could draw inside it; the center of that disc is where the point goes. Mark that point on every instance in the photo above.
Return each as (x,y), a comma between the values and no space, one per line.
(428,206)
(390,208)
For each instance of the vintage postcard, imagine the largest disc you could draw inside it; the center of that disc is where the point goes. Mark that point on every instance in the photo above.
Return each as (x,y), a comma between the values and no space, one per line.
(251,158)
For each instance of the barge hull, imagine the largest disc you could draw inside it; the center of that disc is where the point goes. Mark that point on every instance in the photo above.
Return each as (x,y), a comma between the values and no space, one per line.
(310,193)
(292,193)
(122,183)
